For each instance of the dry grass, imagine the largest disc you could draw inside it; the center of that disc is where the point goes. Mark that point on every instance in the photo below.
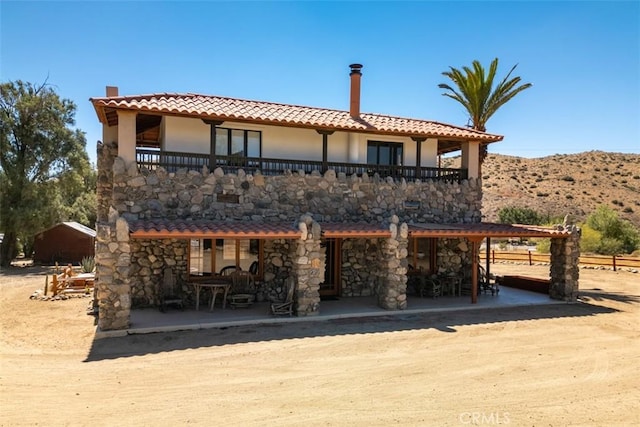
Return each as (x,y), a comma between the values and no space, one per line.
(562,183)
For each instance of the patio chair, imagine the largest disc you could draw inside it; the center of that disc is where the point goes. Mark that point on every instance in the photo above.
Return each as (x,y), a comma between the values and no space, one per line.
(484,282)
(286,306)
(430,286)
(170,291)
(228,270)
(243,289)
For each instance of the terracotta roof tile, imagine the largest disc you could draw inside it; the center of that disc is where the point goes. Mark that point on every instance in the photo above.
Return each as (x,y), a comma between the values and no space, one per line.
(212,229)
(216,107)
(360,229)
(483,229)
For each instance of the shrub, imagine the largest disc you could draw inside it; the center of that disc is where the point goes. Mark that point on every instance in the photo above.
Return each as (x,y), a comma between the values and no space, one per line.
(543,246)
(589,240)
(627,210)
(516,215)
(568,178)
(618,236)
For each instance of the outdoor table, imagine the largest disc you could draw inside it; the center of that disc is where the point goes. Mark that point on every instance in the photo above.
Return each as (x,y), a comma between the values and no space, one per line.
(216,284)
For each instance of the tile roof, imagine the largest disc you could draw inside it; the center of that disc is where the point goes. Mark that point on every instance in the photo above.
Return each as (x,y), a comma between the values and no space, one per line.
(212,229)
(359,229)
(223,108)
(483,229)
(279,230)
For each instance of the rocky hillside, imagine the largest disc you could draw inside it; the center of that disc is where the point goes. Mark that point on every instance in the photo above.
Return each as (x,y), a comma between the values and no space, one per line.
(562,183)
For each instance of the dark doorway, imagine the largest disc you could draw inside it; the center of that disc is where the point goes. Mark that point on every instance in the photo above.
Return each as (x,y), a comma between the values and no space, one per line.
(332,277)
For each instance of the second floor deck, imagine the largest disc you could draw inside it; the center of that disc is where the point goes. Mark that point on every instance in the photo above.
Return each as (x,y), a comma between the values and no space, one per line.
(172,161)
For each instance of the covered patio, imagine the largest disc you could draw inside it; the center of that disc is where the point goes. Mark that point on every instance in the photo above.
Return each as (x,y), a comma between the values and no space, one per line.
(150,320)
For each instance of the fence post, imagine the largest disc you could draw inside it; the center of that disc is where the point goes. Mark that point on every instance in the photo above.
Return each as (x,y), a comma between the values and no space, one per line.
(493,256)
(529,252)
(614,263)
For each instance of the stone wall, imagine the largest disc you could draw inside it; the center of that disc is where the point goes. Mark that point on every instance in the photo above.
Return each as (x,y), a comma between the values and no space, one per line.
(453,257)
(149,258)
(195,195)
(359,258)
(132,270)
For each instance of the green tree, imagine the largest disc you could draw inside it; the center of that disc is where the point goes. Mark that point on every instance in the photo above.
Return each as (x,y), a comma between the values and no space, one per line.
(474,89)
(516,215)
(39,154)
(617,235)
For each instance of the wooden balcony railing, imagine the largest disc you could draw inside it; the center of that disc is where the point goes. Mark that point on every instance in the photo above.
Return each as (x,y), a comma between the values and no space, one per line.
(172,161)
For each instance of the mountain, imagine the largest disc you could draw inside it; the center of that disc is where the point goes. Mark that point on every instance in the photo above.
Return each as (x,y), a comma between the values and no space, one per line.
(563,183)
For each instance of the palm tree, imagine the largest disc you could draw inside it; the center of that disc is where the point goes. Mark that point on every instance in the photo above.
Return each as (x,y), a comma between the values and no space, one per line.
(474,90)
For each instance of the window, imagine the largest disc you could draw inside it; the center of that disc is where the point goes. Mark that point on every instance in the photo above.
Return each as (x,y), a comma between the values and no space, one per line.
(384,153)
(238,142)
(208,256)
(422,255)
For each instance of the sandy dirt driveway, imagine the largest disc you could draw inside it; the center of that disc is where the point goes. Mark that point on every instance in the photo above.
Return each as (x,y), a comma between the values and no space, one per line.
(558,365)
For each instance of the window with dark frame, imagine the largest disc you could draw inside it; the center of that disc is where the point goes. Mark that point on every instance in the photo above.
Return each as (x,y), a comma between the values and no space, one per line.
(384,153)
(238,142)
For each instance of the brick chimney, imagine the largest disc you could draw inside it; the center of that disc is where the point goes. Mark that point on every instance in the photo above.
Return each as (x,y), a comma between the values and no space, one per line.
(356,75)
(112,91)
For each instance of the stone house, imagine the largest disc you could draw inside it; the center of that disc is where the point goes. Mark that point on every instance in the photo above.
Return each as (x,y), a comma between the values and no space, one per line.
(346,201)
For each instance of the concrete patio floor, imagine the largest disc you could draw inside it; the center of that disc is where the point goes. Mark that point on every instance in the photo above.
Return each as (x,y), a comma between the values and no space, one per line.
(151,320)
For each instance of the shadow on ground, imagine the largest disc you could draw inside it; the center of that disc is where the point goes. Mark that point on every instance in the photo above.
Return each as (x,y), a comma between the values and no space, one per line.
(137,345)
(597,294)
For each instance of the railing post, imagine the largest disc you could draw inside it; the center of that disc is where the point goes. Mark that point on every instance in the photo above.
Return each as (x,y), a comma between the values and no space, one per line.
(530,263)
(614,263)
(493,256)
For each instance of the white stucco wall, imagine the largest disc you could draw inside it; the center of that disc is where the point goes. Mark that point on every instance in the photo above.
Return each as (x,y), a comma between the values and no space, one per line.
(192,136)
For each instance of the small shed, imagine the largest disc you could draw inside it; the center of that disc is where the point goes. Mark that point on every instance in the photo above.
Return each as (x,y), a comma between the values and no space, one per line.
(66,242)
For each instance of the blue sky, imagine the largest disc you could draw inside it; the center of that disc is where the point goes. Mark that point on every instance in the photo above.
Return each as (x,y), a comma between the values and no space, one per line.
(583,59)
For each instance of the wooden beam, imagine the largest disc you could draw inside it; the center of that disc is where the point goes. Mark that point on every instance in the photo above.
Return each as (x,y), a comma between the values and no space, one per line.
(418,154)
(475,250)
(325,147)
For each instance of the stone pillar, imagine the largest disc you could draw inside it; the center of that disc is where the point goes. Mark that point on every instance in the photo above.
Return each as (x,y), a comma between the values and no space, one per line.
(565,254)
(308,267)
(113,262)
(392,289)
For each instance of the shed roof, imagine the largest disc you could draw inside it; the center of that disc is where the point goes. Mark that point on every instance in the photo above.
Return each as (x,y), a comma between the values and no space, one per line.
(74,225)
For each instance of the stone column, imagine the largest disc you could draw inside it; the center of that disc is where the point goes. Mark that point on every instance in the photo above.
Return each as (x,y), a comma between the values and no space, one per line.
(565,254)
(113,262)
(392,289)
(308,267)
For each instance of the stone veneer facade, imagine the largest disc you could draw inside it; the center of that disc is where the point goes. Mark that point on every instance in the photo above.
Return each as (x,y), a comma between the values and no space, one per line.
(128,271)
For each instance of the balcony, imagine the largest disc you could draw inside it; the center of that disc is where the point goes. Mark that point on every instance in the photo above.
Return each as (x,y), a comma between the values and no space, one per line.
(172,161)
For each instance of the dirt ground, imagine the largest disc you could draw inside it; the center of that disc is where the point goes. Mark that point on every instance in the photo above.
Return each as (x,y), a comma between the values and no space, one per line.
(557,365)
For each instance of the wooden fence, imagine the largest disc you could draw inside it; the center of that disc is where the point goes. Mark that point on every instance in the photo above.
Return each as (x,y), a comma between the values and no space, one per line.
(531,258)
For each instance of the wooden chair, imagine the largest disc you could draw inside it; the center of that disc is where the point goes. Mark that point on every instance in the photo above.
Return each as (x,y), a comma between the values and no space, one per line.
(286,306)
(484,282)
(243,289)
(430,286)
(170,291)
(228,270)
